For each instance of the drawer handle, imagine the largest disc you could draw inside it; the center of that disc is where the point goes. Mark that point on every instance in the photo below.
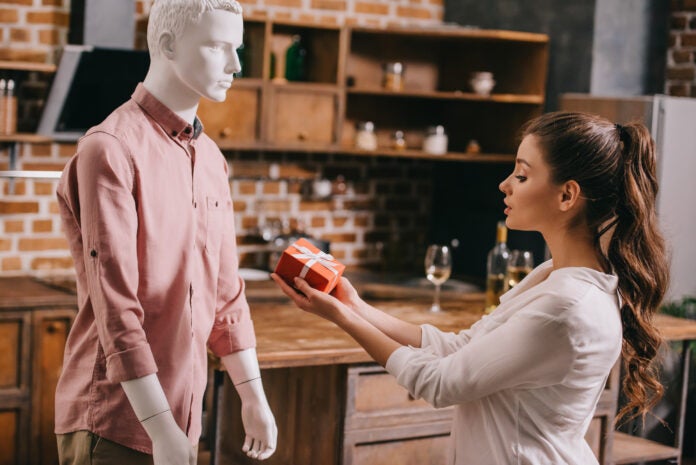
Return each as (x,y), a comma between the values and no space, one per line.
(302,135)
(225,133)
(53,328)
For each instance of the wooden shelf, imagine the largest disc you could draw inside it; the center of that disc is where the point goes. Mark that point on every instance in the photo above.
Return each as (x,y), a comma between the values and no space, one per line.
(380,152)
(458,32)
(454,95)
(305,86)
(27,66)
(631,449)
(25,137)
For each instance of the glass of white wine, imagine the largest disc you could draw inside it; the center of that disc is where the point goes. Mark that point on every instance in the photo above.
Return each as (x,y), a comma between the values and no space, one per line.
(438,266)
(520,264)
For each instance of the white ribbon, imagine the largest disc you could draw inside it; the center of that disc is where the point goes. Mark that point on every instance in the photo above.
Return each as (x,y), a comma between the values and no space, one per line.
(322,258)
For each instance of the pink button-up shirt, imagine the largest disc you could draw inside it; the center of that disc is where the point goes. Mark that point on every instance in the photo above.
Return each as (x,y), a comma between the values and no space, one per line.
(146,208)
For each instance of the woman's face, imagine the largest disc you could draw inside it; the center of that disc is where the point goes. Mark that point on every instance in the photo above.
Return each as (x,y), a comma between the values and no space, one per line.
(531,199)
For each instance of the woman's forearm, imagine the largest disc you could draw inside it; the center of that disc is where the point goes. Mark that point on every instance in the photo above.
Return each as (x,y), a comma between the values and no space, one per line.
(375,342)
(401,331)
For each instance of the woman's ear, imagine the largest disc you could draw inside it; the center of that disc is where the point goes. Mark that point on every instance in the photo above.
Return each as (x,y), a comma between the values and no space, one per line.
(569,196)
(166,45)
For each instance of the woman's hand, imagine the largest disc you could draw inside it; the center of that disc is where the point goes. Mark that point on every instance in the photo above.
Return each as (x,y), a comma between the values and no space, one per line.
(313,301)
(346,293)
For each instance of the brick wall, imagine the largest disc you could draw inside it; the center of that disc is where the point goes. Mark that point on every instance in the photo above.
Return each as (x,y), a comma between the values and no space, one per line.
(382,213)
(681,56)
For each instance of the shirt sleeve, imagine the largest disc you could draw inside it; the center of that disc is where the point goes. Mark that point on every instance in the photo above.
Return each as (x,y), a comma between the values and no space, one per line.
(109,223)
(527,351)
(444,343)
(233,329)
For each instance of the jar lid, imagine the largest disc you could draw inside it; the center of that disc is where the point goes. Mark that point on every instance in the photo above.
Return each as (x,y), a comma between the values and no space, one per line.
(395,67)
(439,129)
(365,126)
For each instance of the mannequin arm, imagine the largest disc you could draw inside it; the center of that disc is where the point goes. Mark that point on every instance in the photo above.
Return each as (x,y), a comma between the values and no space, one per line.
(259,424)
(169,443)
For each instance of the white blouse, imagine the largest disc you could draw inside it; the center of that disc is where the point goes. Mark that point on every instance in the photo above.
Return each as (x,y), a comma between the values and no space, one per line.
(525,379)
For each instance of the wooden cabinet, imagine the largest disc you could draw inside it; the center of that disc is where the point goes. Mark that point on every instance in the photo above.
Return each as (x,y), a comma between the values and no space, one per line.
(357,415)
(34,323)
(343,86)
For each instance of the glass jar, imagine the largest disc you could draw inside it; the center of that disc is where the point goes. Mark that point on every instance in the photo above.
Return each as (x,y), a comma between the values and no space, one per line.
(392,78)
(435,141)
(398,140)
(365,137)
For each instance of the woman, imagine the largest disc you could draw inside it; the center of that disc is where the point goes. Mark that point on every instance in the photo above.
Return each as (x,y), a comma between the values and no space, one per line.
(526,379)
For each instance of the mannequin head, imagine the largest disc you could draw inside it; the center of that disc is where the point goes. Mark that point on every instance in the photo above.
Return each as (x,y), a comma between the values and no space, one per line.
(193,50)
(172,16)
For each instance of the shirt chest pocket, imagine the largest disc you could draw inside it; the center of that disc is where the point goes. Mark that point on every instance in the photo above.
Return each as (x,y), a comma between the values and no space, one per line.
(215,224)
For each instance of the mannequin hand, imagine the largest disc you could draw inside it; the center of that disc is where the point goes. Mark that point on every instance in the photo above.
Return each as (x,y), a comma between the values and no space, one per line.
(170,446)
(313,301)
(258,421)
(259,424)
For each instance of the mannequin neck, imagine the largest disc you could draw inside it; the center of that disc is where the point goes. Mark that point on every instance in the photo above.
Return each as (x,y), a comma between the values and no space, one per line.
(167,87)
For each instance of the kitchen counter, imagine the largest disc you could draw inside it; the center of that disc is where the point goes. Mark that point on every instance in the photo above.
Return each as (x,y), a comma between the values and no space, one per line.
(289,337)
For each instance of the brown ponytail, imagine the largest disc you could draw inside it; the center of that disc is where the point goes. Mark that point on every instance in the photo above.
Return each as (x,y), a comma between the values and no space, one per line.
(615,168)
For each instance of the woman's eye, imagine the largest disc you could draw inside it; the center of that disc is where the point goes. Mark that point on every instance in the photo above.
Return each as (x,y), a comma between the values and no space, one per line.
(521,178)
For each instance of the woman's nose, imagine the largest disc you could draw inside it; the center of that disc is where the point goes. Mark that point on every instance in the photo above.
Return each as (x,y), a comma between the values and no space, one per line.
(504,185)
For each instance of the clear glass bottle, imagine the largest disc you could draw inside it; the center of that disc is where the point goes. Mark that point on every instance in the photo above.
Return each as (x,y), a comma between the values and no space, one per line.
(496,268)
(365,137)
(392,79)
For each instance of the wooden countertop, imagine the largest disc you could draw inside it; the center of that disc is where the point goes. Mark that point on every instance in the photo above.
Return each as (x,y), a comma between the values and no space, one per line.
(288,336)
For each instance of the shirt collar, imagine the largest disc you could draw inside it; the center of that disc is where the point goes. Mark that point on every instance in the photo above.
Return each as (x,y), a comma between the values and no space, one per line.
(172,123)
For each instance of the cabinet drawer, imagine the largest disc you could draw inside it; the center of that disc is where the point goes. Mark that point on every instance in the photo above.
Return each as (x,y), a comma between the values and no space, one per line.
(404,446)
(234,120)
(14,352)
(301,116)
(375,399)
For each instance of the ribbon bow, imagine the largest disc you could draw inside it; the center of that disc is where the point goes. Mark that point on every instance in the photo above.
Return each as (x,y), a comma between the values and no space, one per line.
(322,258)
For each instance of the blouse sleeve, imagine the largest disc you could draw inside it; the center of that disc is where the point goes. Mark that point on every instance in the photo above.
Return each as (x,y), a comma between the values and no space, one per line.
(530,350)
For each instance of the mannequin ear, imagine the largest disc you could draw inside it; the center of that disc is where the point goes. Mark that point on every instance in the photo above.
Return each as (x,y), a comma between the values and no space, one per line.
(166,45)
(569,195)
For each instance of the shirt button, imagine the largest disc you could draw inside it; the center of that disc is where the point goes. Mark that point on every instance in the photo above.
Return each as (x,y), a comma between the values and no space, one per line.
(173,133)
(187,130)
(93,253)
(195,205)
(216,203)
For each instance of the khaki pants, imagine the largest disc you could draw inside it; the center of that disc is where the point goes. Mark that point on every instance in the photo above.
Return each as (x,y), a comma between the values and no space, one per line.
(85,448)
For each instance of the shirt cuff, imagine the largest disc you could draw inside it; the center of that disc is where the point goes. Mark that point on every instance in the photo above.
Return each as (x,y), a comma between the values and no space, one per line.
(130,364)
(398,360)
(232,338)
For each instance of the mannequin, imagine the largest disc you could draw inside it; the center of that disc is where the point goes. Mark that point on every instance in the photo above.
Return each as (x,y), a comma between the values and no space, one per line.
(193,54)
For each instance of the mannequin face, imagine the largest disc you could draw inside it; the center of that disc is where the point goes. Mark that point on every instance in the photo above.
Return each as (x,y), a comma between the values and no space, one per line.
(204,56)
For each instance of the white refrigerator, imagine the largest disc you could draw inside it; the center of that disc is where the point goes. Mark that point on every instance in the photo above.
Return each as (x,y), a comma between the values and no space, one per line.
(672,122)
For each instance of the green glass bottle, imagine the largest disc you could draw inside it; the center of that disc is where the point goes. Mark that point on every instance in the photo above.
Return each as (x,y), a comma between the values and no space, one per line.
(296,60)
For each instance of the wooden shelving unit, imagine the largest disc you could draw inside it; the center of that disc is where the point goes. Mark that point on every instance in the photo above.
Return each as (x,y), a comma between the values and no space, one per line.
(344,86)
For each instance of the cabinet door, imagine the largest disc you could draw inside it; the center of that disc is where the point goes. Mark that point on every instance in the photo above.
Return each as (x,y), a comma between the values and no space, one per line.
(300,115)
(14,386)
(50,329)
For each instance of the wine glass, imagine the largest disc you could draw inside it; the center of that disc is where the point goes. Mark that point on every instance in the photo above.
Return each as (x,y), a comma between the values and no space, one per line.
(438,266)
(520,264)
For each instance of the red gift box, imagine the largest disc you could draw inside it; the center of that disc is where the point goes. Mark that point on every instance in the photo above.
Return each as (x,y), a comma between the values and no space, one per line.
(302,259)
